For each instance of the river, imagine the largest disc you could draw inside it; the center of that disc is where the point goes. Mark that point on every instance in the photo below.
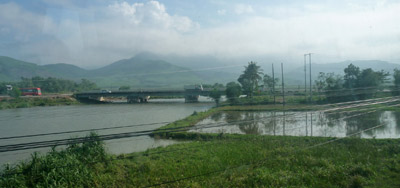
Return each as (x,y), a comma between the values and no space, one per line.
(38,120)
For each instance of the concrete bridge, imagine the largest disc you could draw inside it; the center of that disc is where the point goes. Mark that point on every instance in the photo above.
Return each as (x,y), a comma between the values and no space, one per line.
(139,96)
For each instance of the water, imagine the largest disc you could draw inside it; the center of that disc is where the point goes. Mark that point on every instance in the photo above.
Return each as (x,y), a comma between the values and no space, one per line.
(37,120)
(304,124)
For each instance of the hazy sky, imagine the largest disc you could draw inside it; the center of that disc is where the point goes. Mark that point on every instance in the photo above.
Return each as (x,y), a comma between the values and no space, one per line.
(92,33)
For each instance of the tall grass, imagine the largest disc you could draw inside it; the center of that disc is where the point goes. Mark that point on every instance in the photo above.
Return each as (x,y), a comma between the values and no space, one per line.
(71,167)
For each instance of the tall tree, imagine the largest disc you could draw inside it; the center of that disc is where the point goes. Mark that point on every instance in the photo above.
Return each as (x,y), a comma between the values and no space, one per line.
(333,86)
(371,81)
(320,83)
(351,76)
(396,77)
(216,93)
(233,91)
(269,82)
(250,78)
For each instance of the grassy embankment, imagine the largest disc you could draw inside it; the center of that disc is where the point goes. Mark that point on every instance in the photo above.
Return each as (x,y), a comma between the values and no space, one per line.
(229,161)
(36,101)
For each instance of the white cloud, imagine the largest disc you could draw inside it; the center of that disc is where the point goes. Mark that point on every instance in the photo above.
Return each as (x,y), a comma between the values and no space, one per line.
(23,24)
(287,32)
(243,9)
(152,14)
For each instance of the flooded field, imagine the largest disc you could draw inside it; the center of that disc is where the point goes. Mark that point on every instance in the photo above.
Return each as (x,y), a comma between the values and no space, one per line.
(337,124)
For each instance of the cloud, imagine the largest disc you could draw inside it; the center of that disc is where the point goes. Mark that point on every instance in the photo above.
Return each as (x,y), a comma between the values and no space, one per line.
(123,29)
(243,9)
(21,24)
(151,14)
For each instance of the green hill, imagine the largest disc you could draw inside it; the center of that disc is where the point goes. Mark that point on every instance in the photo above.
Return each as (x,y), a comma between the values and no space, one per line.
(139,72)
(12,69)
(66,71)
(135,72)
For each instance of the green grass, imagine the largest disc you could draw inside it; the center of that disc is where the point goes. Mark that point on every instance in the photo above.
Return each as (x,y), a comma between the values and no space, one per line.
(36,101)
(236,160)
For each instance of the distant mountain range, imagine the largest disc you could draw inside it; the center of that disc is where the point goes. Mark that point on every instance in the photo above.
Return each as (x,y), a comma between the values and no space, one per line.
(137,72)
(150,71)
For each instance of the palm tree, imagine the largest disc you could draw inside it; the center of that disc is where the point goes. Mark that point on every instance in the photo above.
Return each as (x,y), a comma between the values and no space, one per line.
(250,78)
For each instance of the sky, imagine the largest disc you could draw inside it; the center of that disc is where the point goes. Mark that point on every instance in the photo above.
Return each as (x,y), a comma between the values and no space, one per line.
(95,33)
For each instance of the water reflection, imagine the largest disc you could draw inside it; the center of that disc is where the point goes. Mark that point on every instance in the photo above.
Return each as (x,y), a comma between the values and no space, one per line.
(305,124)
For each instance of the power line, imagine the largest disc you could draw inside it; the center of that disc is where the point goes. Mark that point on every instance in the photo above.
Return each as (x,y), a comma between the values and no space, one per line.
(254,163)
(139,125)
(207,145)
(51,143)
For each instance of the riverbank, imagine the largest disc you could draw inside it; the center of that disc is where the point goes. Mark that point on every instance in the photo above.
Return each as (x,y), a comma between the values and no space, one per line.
(229,161)
(26,102)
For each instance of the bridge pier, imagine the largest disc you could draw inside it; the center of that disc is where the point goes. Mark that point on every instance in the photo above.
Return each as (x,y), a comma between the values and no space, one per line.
(137,99)
(191,98)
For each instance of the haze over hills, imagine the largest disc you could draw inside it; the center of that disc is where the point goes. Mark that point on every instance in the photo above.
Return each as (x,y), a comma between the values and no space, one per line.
(148,70)
(137,72)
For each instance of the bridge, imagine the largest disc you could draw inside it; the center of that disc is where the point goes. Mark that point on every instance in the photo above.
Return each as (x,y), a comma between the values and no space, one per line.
(140,96)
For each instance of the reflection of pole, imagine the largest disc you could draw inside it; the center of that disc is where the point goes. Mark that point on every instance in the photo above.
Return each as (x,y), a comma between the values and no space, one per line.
(273,114)
(283,86)
(311,123)
(273,82)
(306,125)
(284,120)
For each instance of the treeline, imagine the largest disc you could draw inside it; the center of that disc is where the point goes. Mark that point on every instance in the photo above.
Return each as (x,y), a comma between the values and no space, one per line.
(356,84)
(50,85)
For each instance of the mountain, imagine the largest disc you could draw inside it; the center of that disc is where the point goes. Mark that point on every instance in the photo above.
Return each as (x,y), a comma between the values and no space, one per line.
(210,69)
(143,72)
(137,72)
(296,76)
(66,70)
(12,70)
(147,70)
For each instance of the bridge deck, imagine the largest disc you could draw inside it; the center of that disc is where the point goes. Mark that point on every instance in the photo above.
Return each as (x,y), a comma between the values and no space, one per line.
(141,93)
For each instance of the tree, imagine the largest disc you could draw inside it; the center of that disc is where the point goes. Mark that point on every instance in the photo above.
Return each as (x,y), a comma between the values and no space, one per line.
(124,88)
(269,83)
(250,78)
(333,86)
(233,91)
(15,92)
(396,76)
(351,76)
(216,93)
(86,85)
(371,81)
(320,82)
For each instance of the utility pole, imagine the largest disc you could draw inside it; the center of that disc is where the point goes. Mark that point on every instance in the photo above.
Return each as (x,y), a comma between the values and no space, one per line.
(305,77)
(273,83)
(310,79)
(283,86)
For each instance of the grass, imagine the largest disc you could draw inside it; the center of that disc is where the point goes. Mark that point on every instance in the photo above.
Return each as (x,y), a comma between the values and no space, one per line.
(235,160)
(36,101)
